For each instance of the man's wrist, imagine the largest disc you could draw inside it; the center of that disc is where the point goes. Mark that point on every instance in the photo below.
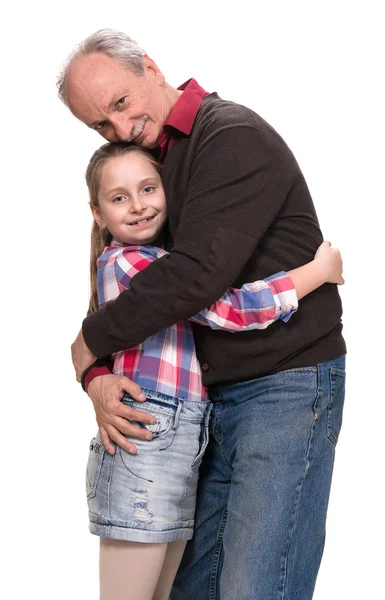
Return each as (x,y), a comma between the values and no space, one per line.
(99,367)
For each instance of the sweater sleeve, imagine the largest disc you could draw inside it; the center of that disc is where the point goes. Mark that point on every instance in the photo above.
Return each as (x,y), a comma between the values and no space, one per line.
(227,209)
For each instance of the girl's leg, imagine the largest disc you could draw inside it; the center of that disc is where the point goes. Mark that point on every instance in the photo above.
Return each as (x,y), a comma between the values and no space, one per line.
(129,570)
(170,566)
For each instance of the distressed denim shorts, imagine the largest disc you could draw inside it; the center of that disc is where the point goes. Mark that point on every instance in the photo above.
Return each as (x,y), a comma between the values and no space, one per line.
(150,496)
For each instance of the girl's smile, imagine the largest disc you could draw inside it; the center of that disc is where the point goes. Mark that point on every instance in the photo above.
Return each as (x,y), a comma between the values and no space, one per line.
(132,204)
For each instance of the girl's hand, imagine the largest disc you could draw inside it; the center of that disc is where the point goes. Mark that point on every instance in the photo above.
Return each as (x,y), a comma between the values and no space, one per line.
(330,261)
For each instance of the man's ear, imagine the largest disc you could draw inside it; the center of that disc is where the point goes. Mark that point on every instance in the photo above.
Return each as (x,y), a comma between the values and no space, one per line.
(152,68)
(97,216)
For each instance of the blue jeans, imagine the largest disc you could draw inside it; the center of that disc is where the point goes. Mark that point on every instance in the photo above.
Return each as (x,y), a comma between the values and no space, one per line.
(264,487)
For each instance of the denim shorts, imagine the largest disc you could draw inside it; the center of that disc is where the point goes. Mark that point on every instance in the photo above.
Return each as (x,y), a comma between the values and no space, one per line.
(150,496)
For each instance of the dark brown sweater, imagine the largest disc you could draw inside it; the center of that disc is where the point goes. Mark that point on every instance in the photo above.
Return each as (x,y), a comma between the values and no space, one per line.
(239,209)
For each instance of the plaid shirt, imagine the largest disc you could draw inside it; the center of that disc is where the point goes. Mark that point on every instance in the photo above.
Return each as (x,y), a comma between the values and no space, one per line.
(167,362)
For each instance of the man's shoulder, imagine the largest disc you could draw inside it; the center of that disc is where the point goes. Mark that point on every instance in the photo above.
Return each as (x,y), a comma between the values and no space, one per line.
(220,122)
(216,114)
(221,111)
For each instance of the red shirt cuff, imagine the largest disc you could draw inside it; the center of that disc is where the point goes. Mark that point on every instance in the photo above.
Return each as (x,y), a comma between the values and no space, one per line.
(95,372)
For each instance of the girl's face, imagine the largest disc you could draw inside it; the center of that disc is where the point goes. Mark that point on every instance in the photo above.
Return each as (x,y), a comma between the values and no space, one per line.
(132,204)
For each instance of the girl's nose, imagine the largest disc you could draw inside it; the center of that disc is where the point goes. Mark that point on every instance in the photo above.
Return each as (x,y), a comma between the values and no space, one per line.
(137,205)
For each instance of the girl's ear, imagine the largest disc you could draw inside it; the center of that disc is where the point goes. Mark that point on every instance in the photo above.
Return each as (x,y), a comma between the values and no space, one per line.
(98,217)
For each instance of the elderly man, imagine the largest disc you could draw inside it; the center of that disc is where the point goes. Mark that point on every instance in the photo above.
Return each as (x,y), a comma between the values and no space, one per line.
(239,209)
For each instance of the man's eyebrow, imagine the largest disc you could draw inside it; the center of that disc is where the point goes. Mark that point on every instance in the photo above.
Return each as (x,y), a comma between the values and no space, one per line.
(93,125)
(109,108)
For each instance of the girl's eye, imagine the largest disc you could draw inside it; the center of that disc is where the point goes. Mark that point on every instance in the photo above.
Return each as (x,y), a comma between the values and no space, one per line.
(118,199)
(148,189)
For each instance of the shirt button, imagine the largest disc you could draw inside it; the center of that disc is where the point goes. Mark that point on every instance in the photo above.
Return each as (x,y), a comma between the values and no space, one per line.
(205,367)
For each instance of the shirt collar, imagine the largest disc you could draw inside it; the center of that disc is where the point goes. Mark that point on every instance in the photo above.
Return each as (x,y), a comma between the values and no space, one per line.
(114,244)
(184,111)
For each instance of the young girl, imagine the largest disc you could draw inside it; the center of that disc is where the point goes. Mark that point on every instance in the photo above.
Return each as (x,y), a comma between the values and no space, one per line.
(142,505)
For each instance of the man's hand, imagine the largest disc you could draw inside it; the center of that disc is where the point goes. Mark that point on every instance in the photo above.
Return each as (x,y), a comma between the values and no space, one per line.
(82,356)
(113,417)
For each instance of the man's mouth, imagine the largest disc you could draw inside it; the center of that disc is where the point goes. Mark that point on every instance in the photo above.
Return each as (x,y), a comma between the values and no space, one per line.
(141,221)
(138,129)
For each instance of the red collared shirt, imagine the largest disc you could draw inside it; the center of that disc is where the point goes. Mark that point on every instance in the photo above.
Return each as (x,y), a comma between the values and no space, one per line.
(182,115)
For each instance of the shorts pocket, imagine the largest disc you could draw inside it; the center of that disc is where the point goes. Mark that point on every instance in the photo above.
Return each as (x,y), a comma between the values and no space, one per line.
(203,441)
(336,404)
(163,430)
(161,427)
(94,465)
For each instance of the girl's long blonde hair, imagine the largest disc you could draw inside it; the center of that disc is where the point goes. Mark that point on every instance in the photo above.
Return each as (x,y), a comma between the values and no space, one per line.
(100,238)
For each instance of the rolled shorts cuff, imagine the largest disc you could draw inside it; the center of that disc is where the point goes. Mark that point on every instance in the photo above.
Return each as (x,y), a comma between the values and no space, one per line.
(133,534)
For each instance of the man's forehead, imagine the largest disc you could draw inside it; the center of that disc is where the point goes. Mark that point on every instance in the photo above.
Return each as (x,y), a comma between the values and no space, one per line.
(96,67)
(93,82)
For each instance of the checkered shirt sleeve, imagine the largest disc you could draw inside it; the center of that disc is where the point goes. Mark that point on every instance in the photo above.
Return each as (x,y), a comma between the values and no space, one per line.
(254,306)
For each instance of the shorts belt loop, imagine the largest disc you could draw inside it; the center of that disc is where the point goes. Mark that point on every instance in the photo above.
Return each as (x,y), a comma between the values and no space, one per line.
(178,411)
(208,413)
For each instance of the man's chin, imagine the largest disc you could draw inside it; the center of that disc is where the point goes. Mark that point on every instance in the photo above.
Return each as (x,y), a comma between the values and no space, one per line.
(147,143)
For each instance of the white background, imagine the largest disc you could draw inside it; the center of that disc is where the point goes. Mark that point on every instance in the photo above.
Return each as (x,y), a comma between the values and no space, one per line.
(314,70)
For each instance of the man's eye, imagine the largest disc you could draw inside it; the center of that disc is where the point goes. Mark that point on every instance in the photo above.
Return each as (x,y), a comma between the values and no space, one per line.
(148,189)
(121,101)
(100,125)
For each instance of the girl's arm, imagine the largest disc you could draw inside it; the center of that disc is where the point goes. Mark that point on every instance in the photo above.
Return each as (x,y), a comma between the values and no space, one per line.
(326,267)
(257,305)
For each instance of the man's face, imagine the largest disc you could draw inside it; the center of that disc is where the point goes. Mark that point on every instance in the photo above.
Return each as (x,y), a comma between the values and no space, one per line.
(118,103)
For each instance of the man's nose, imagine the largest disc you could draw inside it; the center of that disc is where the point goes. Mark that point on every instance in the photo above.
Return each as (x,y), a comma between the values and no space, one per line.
(122,127)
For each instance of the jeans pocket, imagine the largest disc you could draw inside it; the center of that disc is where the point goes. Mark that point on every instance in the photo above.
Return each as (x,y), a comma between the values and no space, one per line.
(336,404)
(94,465)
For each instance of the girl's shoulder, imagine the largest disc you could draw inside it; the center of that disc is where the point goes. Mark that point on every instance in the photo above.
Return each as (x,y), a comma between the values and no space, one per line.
(115,251)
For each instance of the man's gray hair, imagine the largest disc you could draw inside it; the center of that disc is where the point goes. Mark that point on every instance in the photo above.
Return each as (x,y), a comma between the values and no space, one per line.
(115,44)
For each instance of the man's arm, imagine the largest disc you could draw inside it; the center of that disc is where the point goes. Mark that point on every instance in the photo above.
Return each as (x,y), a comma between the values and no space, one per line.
(101,366)
(255,306)
(227,210)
